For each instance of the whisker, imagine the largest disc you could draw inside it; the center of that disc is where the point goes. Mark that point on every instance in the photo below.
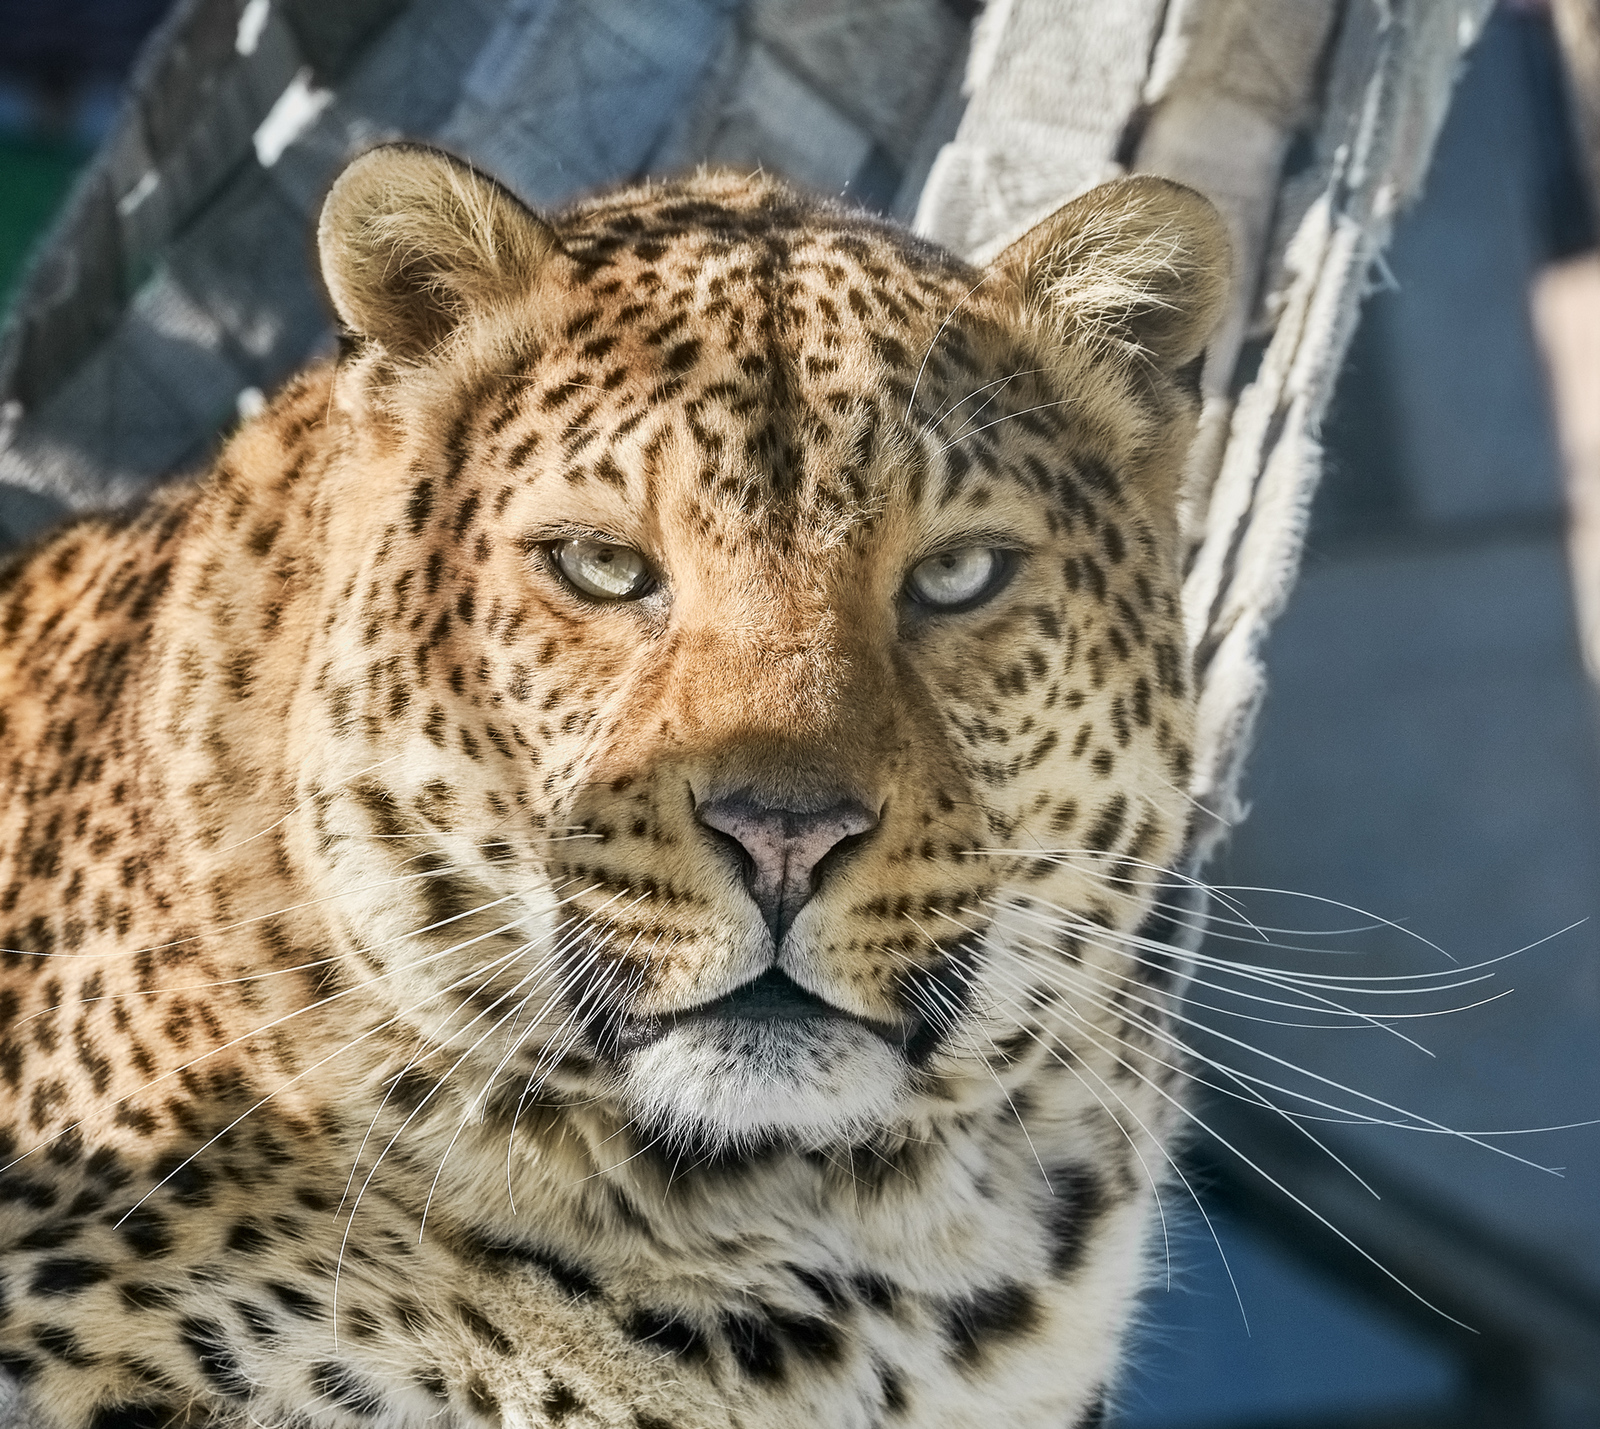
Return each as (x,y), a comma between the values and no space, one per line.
(1126,943)
(1278,1185)
(1067,970)
(268,1026)
(1000,386)
(167,988)
(416,1112)
(309,799)
(1009,417)
(949,409)
(1247,1093)
(1331,981)
(249,1111)
(1098,859)
(951,1014)
(1158,1142)
(247,922)
(1359,912)
(490,1080)
(934,342)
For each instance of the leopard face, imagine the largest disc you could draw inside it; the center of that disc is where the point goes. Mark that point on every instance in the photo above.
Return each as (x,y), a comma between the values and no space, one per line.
(743,669)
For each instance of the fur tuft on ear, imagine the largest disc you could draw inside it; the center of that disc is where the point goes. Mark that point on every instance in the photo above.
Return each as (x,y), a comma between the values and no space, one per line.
(1139,267)
(412,240)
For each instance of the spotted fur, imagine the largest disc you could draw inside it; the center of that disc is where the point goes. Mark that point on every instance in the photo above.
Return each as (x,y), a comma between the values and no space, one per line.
(396,1027)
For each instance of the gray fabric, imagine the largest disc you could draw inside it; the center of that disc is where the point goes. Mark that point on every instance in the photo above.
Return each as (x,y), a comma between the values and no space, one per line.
(1052,88)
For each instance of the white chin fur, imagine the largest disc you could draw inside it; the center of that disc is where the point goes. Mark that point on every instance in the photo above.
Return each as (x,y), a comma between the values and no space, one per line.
(731,1083)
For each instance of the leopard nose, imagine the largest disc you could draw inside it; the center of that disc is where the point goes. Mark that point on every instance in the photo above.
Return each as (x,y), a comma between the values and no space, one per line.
(785,849)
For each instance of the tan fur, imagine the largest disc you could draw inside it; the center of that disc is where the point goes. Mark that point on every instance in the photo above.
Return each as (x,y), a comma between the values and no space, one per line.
(355,867)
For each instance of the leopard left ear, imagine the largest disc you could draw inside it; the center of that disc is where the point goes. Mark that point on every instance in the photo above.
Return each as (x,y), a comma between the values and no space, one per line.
(412,240)
(1139,267)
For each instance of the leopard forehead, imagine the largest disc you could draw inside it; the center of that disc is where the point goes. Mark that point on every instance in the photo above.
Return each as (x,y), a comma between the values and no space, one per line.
(729,368)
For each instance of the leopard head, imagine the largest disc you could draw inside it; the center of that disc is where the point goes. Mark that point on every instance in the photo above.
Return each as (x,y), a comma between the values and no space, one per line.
(750,666)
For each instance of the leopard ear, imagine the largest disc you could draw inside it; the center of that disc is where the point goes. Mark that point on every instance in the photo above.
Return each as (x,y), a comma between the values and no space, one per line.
(1139,267)
(412,240)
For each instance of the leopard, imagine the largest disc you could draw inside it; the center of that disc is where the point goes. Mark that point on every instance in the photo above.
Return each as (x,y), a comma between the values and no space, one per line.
(589,869)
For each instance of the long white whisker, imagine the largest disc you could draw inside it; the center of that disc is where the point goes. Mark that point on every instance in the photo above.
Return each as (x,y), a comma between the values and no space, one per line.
(488,1085)
(1408,1120)
(934,342)
(286,1017)
(309,799)
(1157,1141)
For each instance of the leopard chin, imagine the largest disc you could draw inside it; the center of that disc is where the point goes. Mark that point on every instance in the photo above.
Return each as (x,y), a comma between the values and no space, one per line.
(730,1085)
(769,1063)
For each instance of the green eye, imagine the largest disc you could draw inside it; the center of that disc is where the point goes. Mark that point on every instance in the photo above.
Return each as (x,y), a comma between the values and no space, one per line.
(953,580)
(603,571)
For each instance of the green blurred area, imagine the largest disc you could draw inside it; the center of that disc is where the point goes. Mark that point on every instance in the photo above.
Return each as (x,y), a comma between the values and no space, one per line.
(34,178)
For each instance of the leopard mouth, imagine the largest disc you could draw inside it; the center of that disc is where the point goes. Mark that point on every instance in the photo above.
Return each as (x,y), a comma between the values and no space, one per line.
(774,996)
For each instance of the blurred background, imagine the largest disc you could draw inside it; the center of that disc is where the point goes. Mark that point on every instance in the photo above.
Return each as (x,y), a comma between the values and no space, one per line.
(63,65)
(1428,752)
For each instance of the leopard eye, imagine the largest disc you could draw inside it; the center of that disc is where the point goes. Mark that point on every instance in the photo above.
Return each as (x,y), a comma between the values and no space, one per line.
(603,571)
(954,580)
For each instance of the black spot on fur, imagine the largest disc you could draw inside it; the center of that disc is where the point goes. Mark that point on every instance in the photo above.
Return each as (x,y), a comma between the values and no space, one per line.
(22,1190)
(813,1338)
(140,1295)
(569,1275)
(1071,1213)
(209,1345)
(974,1322)
(420,506)
(105,1165)
(20,1367)
(259,1322)
(485,1328)
(248,1239)
(482,1398)
(559,1401)
(895,1399)
(296,1302)
(66,1275)
(60,1343)
(936,995)
(146,1232)
(430,1380)
(878,1292)
(134,1416)
(46,1237)
(341,1385)
(666,1331)
(1107,826)
(755,1347)
(822,1285)
(186,1181)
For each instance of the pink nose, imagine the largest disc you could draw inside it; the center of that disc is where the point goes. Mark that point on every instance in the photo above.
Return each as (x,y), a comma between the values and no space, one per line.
(784,848)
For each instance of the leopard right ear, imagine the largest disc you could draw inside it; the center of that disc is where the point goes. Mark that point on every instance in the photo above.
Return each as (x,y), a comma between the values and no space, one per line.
(411,240)
(1137,269)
